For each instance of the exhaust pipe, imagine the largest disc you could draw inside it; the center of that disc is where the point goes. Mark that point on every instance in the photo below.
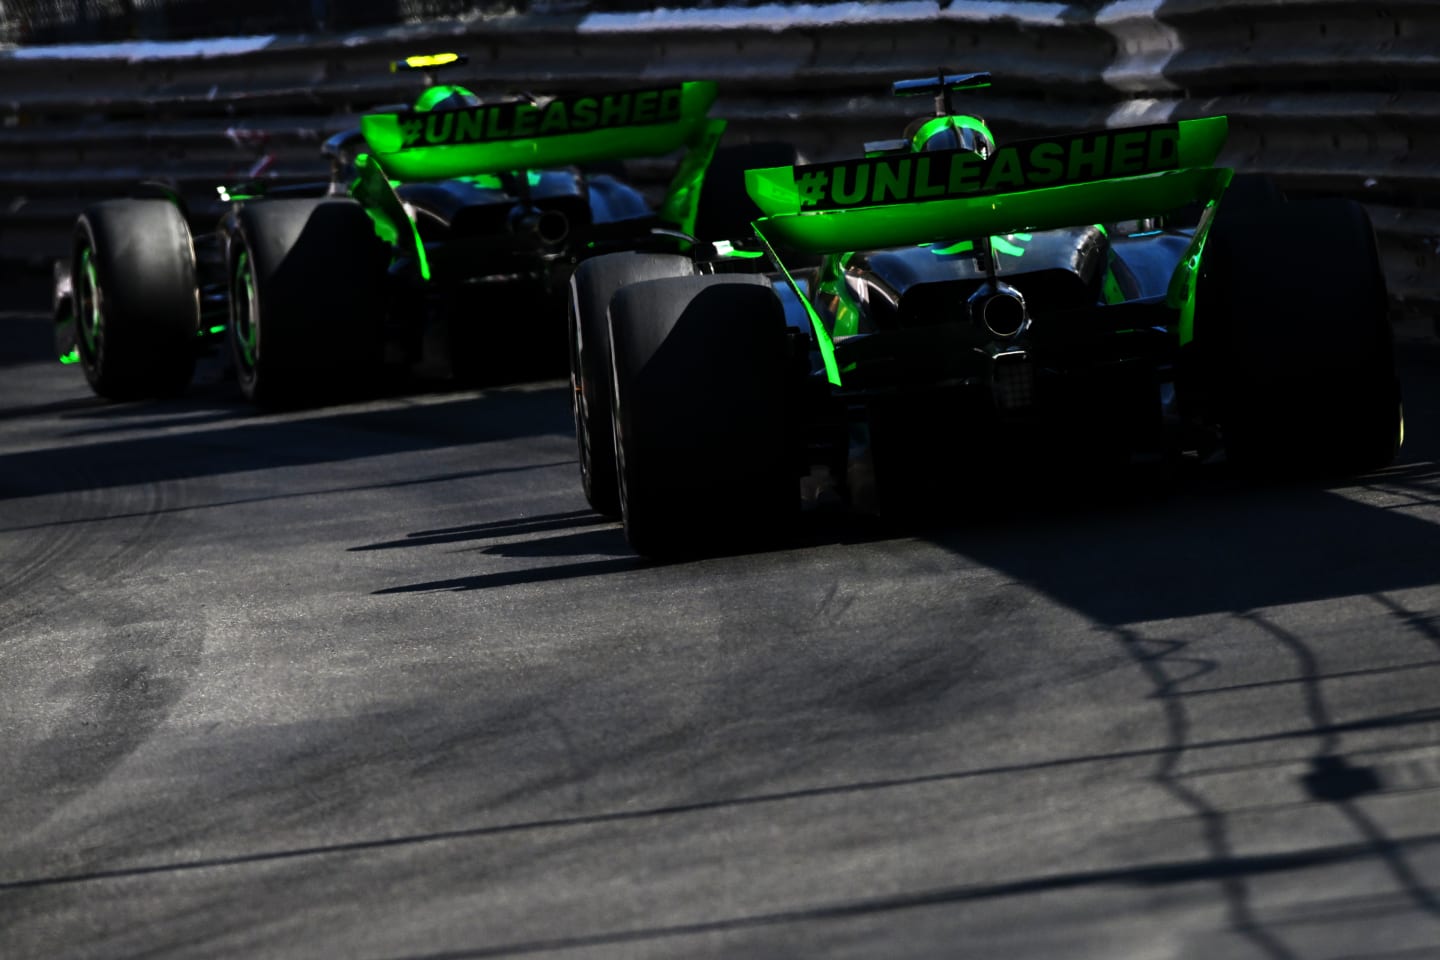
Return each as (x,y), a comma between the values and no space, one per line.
(999,309)
(550,227)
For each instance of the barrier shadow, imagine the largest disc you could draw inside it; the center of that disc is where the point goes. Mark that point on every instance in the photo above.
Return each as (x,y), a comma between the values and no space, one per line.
(1222,547)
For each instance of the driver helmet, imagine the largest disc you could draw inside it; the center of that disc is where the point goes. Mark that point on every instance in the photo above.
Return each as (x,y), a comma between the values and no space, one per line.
(446,97)
(952,132)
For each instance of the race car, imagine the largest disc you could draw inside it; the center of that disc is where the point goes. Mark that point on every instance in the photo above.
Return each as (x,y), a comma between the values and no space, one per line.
(896,328)
(448,225)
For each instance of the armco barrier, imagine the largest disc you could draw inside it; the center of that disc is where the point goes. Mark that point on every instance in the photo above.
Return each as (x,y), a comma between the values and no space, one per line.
(1330,96)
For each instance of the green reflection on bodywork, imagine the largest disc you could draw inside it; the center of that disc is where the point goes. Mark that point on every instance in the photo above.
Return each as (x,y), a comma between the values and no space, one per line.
(392,223)
(832,283)
(72,357)
(1189,270)
(1110,286)
(1181,292)
(218,328)
(227,197)
(960,246)
(1000,244)
(822,336)
(682,198)
(490,181)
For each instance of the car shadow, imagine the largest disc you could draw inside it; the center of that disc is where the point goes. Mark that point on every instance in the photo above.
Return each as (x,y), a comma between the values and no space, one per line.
(224,444)
(1209,543)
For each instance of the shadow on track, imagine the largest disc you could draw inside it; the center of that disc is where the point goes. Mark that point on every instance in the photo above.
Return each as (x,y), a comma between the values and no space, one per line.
(92,443)
(492,530)
(1212,546)
(258,442)
(1229,550)
(813,531)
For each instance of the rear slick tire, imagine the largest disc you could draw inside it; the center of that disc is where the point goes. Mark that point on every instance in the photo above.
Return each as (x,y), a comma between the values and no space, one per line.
(135,303)
(701,413)
(592,286)
(306,301)
(1299,362)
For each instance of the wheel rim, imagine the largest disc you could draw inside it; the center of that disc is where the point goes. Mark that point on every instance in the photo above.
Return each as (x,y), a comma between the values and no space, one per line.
(582,434)
(90,312)
(622,487)
(246,325)
(578,407)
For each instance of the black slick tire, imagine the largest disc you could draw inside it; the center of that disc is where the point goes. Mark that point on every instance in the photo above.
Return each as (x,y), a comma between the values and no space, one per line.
(701,415)
(136,307)
(1296,343)
(592,285)
(306,301)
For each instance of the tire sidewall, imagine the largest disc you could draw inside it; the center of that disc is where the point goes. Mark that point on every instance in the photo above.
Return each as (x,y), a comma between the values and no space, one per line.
(141,286)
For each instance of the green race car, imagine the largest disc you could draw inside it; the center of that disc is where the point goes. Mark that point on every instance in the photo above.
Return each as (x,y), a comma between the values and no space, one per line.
(897,328)
(449,225)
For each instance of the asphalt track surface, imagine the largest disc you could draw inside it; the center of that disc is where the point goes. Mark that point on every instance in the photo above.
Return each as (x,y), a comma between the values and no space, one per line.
(372,682)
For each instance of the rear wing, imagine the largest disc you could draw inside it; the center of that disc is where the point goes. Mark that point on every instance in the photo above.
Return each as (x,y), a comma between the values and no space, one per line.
(520,135)
(889,201)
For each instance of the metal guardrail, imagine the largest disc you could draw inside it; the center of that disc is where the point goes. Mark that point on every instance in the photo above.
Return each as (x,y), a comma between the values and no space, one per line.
(1336,96)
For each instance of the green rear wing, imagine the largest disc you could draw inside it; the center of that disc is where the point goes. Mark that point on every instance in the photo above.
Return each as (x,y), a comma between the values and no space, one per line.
(889,201)
(521,135)
(898,200)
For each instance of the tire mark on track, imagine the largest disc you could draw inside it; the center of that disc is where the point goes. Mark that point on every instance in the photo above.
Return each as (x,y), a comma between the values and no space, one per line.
(35,568)
(44,572)
(126,665)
